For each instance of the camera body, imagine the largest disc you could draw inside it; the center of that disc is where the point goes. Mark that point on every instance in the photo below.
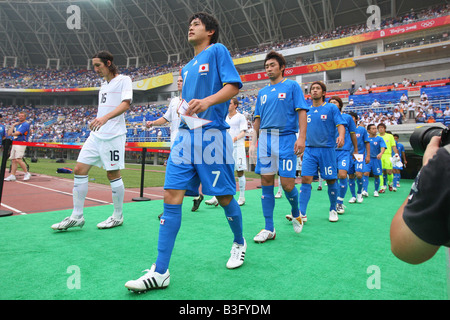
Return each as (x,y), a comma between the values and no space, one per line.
(422,135)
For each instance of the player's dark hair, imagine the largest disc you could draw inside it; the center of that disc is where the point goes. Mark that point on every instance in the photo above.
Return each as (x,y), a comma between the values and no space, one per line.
(354,115)
(370,126)
(277,56)
(339,100)
(106,56)
(396,135)
(381,125)
(322,85)
(211,24)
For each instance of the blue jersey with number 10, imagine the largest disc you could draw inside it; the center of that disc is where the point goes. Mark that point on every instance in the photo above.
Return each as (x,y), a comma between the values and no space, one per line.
(277,106)
(206,74)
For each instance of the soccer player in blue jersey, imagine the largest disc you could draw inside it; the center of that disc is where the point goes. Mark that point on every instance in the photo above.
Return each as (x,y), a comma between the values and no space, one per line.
(320,153)
(344,155)
(210,80)
(357,166)
(397,169)
(280,113)
(377,148)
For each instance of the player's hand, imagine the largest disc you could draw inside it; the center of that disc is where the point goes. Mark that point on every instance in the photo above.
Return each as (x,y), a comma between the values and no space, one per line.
(299,147)
(97,123)
(340,142)
(367,159)
(379,156)
(149,124)
(196,106)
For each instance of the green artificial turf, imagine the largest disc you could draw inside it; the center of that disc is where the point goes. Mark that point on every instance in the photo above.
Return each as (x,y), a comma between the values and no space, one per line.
(349,259)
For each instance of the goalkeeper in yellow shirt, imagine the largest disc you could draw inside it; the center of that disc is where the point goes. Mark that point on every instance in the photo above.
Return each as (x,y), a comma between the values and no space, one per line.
(386,161)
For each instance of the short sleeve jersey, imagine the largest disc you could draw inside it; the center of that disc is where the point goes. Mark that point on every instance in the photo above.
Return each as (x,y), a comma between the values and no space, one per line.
(110,96)
(237,124)
(361,137)
(426,212)
(277,106)
(376,143)
(206,74)
(350,127)
(390,142)
(24,129)
(322,125)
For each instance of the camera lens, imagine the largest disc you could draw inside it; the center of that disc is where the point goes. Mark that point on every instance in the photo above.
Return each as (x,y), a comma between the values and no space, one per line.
(421,137)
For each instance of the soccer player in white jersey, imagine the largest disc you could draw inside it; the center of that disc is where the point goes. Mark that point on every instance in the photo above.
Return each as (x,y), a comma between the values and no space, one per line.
(105,146)
(238,129)
(174,118)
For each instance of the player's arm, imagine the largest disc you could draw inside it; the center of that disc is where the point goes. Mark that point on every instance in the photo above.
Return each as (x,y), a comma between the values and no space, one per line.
(157,122)
(355,142)
(367,151)
(239,136)
(255,137)
(340,140)
(121,108)
(299,146)
(228,91)
(381,153)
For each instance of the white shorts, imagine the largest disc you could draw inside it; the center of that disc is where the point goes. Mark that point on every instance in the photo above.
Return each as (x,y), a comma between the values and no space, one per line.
(17,151)
(109,154)
(240,158)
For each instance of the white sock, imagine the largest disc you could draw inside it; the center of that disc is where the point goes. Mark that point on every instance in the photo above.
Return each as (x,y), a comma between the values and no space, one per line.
(241,181)
(280,188)
(118,192)
(80,190)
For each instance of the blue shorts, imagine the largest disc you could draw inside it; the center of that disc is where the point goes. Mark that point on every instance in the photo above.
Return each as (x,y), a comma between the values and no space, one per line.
(344,159)
(276,154)
(322,160)
(373,166)
(356,166)
(204,157)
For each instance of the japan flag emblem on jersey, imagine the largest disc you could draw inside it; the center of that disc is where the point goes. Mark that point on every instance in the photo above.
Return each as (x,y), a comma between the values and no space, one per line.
(323,116)
(203,67)
(282,95)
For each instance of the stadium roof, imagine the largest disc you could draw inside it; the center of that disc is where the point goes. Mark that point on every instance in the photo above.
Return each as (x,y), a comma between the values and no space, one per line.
(36,30)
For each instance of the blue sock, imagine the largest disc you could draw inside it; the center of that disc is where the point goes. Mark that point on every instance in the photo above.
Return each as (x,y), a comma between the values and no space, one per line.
(168,229)
(234,217)
(304,196)
(385,179)
(332,195)
(366,183)
(351,185)
(293,200)
(377,183)
(360,183)
(268,204)
(343,185)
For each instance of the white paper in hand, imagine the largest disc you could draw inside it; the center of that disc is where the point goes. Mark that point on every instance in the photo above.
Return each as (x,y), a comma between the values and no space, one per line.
(193,121)
(359,157)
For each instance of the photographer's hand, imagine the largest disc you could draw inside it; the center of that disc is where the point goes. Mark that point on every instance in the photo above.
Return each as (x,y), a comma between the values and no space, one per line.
(431,150)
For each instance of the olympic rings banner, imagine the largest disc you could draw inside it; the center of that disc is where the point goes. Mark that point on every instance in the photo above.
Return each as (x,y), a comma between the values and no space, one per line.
(316,67)
(412,27)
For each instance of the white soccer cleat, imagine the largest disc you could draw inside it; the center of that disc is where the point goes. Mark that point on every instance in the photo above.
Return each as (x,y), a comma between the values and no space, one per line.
(375,194)
(278,195)
(67,223)
(27,176)
(241,201)
(265,235)
(352,200)
(111,222)
(359,198)
(11,177)
(212,202)
(237,255)
(333,216)
(151,280)
(297,224)
(340,208)
(365,193)
(289,217)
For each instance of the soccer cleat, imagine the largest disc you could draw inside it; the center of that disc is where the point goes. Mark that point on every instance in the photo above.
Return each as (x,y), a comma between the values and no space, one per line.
(382,189)
(304,218)
(359,198)
(197,203)
(241,201)
(375,193)
(352,200)
(394,189)
(265,235)
(390,187)
(340,208)
(11,177)
(111,222)
(27,176)
(333,217)
(297,224)
(150,280)
(278,195)
(365,193)
(237,255)
(67,223)
(212,202)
